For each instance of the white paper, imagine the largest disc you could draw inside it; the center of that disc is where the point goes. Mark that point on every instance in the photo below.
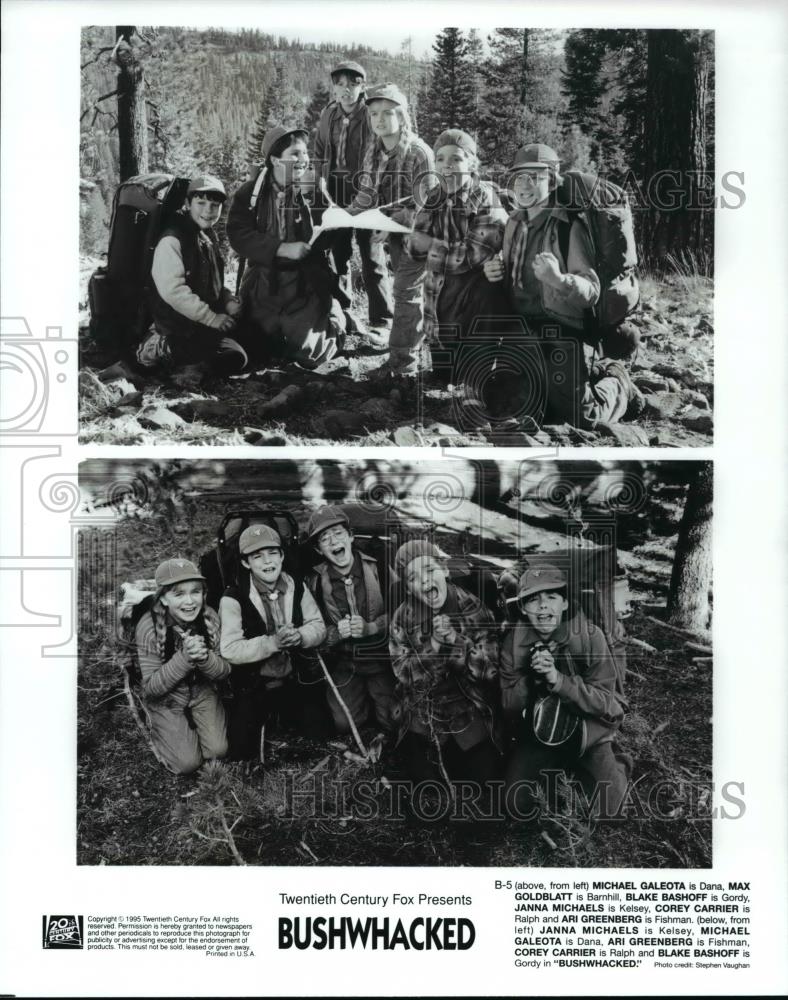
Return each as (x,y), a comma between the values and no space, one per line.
(335,217)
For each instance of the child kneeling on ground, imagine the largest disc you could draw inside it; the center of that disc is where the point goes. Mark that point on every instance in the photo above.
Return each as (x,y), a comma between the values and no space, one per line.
(348,591)
(177,640)
(444,655)
(194,315)
(265,618)
(561,698)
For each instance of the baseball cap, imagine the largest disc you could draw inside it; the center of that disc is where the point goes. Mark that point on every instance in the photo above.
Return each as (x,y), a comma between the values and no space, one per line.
(173,571)
(414,550)
(537,154)
(273,135)
(387,92)
(258,536)
(456,137)
(324,518)
(206,182)
(539,578)
(349,66)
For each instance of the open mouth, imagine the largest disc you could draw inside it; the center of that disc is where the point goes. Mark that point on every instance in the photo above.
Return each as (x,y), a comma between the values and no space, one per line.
(431,595)
(545,619)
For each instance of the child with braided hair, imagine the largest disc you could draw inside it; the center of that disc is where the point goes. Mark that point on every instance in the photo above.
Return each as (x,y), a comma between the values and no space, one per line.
(177,640)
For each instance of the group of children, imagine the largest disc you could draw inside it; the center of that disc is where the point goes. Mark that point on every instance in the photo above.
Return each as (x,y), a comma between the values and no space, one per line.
(465,266)
(465,699)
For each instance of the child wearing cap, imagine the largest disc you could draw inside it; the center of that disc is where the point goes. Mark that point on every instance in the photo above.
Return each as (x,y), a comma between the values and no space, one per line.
(561,696)
(266,618)
(194,316)
(398,170)
(347,588)
(340,144)
(454,235)
(444,655)
(289,291)
(548,274)
(177,641)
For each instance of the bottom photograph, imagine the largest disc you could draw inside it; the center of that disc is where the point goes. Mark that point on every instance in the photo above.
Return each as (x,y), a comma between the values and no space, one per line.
(434,663)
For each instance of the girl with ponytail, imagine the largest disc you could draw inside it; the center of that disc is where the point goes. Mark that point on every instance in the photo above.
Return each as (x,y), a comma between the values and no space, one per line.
(177,643)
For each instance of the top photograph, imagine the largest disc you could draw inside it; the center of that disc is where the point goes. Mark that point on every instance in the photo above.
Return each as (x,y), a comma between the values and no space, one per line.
(498,237)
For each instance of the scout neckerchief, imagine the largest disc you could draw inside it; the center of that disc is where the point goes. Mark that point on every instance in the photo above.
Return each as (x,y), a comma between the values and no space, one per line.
(272,599)
(343,131)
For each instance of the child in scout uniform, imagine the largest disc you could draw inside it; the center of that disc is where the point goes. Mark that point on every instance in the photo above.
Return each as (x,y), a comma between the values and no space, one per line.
(561,696)
(340,145)
(288,287)
(459,231)
(398,168)
(177,642)
(265,619)
(348,591)
(195,317)
(444,656)
(550,282)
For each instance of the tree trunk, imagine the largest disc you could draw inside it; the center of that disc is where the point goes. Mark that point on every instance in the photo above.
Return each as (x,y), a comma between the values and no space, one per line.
(678,219)
(524,69)
(688,600)
(132,118)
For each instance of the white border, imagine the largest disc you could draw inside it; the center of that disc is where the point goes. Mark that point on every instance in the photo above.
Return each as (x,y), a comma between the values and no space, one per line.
(40,100)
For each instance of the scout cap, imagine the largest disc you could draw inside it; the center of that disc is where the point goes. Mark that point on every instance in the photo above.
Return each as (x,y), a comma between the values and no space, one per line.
(173,571)
(273,135)
(456,137)
(539,578)
(413,550)
(258,536)
(206,182)
(537,154)
(348,66)
(324,518)
(387,92)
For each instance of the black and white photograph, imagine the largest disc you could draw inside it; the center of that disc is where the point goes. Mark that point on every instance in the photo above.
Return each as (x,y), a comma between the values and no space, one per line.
(388,663)
(466,237)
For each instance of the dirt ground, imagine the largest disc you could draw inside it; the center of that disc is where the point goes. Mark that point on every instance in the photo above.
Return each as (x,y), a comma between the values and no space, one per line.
(132,811)
(341,405)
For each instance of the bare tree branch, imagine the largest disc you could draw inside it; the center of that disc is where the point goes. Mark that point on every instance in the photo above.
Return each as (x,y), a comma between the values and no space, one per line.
(97,56)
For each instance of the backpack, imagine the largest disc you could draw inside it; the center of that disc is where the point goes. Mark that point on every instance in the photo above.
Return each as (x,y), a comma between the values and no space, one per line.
(141,208)
(135,600)
(607,213)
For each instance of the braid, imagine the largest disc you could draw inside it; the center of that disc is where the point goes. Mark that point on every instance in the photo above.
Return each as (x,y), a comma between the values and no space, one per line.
(159,616)
(212,627)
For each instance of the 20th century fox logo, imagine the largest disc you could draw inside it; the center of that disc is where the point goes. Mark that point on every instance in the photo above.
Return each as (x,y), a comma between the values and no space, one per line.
(62,932)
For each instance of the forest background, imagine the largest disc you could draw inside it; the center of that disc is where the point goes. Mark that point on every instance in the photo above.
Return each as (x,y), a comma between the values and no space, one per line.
(632,105)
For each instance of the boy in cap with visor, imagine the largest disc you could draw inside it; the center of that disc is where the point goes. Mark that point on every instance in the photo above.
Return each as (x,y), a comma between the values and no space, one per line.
(347,588)
(398,170)
(455,235)
(177,644)
(561,696)
(548,273)
(266,618)
(444,655)
(340,144)
(194,316)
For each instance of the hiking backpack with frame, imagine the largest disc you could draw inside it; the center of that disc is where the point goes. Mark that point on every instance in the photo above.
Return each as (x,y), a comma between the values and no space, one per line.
(604,208)
(141,208)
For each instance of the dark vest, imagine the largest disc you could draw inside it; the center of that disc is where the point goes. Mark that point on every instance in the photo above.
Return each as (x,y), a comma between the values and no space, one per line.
(204,276)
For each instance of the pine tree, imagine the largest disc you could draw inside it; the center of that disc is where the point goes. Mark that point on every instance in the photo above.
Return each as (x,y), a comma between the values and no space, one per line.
(321,97)
(502,114)
(451,95)
(582,79)
(281,105)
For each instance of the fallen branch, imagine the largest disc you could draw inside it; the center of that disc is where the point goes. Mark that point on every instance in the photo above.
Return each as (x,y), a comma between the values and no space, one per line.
(672,628)
(696,647)
(302,844)
(230,839)
(702,660)
(630,641)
